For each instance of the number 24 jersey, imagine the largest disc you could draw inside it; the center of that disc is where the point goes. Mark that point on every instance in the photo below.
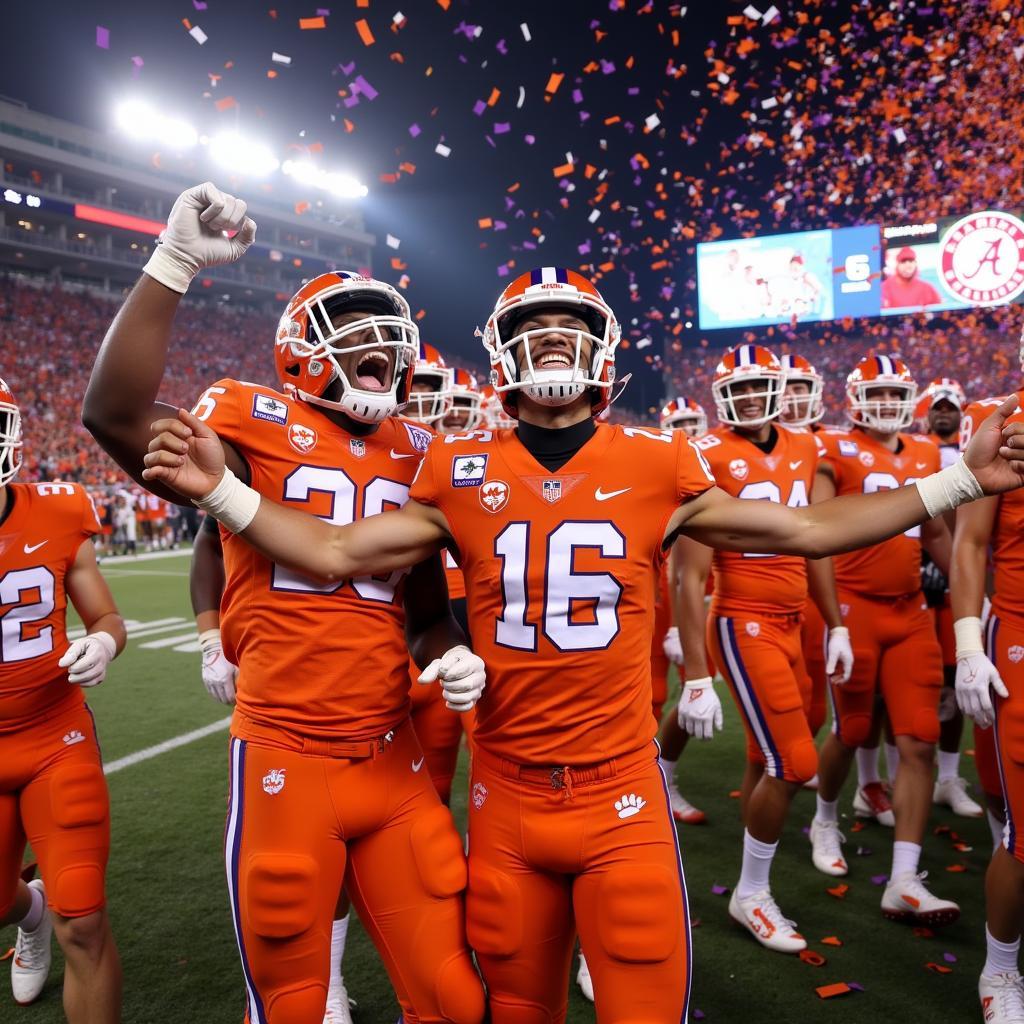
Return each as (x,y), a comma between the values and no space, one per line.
(560,571)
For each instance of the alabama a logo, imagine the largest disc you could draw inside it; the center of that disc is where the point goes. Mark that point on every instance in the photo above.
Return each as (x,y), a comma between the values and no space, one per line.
(302,439)
(494,495)
(273,781)
(981,258)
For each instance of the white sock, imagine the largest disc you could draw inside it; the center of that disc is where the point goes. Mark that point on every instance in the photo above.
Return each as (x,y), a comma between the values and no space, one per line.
(867,766)
(757,866)
(892,761)
(669,768)
(339,932)
(828,810)
(905,858)
(34,917)
(1002,956)
(996,827)
(949,764)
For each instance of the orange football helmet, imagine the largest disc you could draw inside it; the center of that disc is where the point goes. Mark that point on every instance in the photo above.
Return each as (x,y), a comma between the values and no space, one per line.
(884,415)
(308,344)
(563,377)
(466,412)
(430,397)
(10,436)
(684,414)
(740,366)
(801,410)
(942,388)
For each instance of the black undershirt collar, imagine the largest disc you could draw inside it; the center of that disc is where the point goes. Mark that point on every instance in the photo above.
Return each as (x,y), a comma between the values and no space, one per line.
(766,446)
(554,447)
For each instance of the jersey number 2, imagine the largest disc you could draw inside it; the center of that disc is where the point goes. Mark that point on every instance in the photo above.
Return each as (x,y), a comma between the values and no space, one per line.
(13,645)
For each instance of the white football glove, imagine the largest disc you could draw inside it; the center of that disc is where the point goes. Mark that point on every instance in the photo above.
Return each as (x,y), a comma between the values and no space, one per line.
(218,673)
(838,655)
(700,710)
(672,647)
(976,676)
(462,677)
(87,659)
(196,236)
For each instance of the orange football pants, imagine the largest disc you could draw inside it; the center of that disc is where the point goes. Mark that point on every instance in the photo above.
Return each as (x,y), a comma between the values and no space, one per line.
(814,640)
(943,616)
(439,731)
(306,816)
(594,848)
(896,652)
(986,763)
(1005,643)
(762,660)
(53,793)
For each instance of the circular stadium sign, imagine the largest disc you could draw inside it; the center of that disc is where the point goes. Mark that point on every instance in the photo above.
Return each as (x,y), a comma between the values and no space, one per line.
(981,258)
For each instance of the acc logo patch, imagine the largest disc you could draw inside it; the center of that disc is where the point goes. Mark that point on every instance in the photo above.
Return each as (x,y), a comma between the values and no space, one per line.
(273,781)
(302,439)
(266,407)
(468,470)
(847,447)
(494,495)
(739,469)
(418,437)
(753,628)
(479,794)
(1015,653)
(866,459)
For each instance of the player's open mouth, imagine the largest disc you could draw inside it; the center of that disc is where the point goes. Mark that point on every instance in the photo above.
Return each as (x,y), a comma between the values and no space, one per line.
(553,361)
(373,371)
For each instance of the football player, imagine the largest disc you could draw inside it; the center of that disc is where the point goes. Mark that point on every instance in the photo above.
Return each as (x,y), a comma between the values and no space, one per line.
(753,630)
(467,404)
(52,790)
(990,688)
(560,528)
(431,393)
(326,786)
(897,653)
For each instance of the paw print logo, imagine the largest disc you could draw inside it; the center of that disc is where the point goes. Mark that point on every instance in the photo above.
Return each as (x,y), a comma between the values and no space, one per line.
(629,805)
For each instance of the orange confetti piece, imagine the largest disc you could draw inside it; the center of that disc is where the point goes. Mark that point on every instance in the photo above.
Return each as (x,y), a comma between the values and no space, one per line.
(301,207)
(734,794)
(397,264)
(562,170)
(362,3)
(938,968)
(7,955)
(956,867)
(831,991)
(444,4)
(422,313)
(839,891)
(554,81)
(485,222)
(493,98)
(924,933)
(808,956)
(513,188)
(309,23)
(831,940)
(226,104)
(271,73)
(349,126)
(363,28)
(407,167)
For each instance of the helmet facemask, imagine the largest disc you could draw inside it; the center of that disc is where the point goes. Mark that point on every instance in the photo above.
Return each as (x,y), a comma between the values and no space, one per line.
(10,442)
(430,406)
(886,415)
(692,424)
(770,391)
(802,410)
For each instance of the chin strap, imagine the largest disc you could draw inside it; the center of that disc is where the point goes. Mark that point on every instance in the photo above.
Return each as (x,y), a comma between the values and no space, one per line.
(617,388)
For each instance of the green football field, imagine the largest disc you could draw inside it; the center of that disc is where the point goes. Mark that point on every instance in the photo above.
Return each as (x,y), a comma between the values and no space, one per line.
(169,906)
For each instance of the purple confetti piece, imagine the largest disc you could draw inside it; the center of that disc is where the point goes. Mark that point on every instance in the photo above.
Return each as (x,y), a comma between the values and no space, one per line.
(577,96)
(501,127)
(720,890)
(633,90)
(102,37)
(347,69)
(501,47)
(856,986)
(949,958)
(879,879)
(503,271)
(350,101)
(529,139)
(500,225)
(199,5)
(364,87)
(607,67)
(491,142)
(529,245)
(415,130)
(698,1015)
(479,107)
(583,249)
(323,12)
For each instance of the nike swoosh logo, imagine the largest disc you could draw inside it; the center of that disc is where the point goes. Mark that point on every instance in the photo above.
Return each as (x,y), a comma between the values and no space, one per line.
(605,495)
(417,765)
(921,465)
(797,464)
(401,455)
(34,547)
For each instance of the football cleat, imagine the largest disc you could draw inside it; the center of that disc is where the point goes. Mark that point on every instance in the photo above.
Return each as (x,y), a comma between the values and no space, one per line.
(953,793)
(584,980)
(907,899)
(682,809)
(761,916)
(1002,998)
(32,955)
(338,1003)
(872,801)
(826,848)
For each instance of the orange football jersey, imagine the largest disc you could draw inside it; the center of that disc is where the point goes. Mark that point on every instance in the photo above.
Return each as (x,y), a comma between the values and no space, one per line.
(862,465)
(561,569)
(1008,529)
(746,583)
(39,539)
(319,659)
(453,574)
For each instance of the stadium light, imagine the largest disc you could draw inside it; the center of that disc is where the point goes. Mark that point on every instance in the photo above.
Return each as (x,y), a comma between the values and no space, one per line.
(343,185)
(243,156)
(140,121)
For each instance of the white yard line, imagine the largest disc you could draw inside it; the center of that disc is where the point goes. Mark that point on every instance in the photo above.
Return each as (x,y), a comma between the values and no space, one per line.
(162,748)
(121,574)
(146,556)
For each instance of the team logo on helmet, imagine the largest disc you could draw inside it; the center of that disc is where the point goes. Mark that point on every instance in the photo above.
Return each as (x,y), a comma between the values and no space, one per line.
(302,439)
(273,781)
(739,468)
(981,258)
(494,495)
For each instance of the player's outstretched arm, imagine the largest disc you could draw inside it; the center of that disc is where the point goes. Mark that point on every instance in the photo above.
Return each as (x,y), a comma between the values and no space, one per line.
(188,457)
(993,463)
(120,400)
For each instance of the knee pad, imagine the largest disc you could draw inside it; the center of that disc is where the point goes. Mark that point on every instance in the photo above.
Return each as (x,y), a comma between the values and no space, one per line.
(460,993)
(642,912)
(77,890)
(281,894)
(926,725)
(78,796)
(854,729)
(494,912)
(298,1005)
(438,854)
(802,758)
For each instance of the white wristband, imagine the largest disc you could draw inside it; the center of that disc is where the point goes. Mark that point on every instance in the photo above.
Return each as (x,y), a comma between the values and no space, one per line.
(968,636)
(209,640)
(839,631)
(232,503)
(948,488)
(167,267)
(109,643)
(697,684)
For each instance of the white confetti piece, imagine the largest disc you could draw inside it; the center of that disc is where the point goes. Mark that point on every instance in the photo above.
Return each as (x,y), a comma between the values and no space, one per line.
(652,122)
(198,34)
(442,150)
(280,58)
(393,243)
(526,31)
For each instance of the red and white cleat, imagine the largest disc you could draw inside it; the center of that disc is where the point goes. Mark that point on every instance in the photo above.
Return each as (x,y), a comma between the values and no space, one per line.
(872,801)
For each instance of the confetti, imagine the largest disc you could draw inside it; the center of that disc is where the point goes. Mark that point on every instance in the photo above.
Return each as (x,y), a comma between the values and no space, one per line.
(392,242)
(442,150)
(839,891)
(525,29)
(831,940)
(720,890)
(312,23)
(363,28)
(198,34)
(102,37)
(939,968)
(831,991)
(280,58)
(813,959)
